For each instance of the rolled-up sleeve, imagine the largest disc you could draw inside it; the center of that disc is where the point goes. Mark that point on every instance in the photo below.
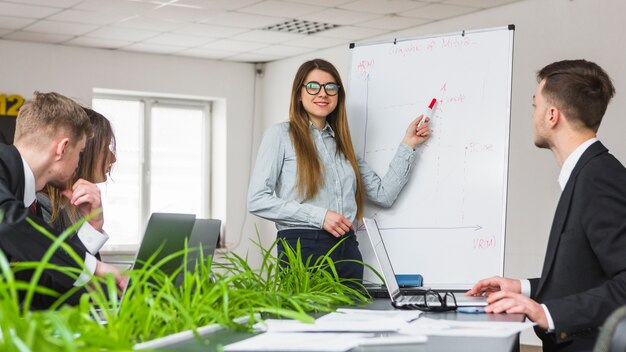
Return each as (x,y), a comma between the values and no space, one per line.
(384,191)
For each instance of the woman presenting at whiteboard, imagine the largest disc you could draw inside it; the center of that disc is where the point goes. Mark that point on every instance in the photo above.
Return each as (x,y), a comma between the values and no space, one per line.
(307,178)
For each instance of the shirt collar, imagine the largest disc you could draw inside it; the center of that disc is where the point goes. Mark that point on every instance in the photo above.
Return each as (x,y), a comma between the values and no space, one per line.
(326,128)
(30,194)
(572,160)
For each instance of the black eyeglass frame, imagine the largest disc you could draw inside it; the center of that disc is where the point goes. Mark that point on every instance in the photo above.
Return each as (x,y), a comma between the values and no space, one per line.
(305,85)
(444,305)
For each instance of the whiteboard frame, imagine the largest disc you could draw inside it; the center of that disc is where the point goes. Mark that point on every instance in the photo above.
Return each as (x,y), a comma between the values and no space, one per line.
(506,150)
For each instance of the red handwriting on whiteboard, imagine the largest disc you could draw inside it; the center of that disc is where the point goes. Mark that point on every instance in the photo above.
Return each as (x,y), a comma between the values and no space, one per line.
(479,147)
(405,49)
(455,42)
(364,67)
(484,243)
(459,98)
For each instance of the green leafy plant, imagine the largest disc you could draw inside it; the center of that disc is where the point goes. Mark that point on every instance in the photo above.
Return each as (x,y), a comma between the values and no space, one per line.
(156,304)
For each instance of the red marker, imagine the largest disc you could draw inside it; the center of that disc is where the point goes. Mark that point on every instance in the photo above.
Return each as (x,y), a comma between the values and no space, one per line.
(428,112)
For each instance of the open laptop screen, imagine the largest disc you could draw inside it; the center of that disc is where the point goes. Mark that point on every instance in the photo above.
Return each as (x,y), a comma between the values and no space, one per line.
(381,254)
(166,234)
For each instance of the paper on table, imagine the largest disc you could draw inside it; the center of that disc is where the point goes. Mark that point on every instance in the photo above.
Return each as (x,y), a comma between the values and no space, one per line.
(406,315)
(335,324)
(346,320)
(323,342)
(440,327)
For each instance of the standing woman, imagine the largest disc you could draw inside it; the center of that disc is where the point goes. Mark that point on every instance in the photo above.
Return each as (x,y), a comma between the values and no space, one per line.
(62,208)
(308,179)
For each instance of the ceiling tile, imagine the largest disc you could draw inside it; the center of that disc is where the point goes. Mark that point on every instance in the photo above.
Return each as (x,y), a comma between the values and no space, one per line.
(479,3)
(317,42)
(98,43)
(253,57)
(153,24)
(233,45)
(238,19)
(267,36)
(439,11)
(118,6)
(338,16)
(51,3)
(88,17)
(286,9)
(56,27)
(282,50)
(126,34)
(26,11)
(382,6)
(326,3)
(218,29)
(218,4)
(15,22)
(182,14)
(209,30)
(351,32)
(393,23)
(178,40)
(152,48)
(206,53)
(37,37)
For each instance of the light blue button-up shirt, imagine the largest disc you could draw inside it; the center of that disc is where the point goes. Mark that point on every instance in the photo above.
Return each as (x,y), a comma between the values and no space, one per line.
(272,194)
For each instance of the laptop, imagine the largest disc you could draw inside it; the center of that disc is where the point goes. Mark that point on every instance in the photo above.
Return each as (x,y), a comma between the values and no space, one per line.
(399,298)
(206,235)
(166,234)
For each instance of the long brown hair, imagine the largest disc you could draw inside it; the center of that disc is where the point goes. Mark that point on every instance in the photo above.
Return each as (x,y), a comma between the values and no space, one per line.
(309,168)
(95,156)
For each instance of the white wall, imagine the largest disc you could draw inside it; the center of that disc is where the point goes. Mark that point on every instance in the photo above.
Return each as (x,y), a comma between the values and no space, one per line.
(546,31)
(75,72)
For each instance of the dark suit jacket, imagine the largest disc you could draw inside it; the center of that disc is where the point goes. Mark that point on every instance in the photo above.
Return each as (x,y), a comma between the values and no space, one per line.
(19,240)
(584,273)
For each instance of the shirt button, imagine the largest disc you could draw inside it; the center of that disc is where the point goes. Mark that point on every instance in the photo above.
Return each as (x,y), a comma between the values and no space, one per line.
(563,335)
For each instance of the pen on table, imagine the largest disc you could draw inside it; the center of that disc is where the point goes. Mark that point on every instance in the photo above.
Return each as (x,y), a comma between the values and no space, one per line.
(428,112)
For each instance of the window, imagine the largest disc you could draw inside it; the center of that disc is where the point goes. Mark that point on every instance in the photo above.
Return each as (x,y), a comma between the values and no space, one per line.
(163,163)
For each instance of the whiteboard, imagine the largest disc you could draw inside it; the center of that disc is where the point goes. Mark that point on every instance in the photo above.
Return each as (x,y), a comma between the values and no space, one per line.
(448,223)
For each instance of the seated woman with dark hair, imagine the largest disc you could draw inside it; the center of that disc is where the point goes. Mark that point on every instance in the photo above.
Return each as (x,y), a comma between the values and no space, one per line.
(62,208)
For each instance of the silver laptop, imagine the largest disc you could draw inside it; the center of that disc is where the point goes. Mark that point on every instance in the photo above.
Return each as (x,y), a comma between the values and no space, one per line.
(165,234)
(399,298)
(205,235)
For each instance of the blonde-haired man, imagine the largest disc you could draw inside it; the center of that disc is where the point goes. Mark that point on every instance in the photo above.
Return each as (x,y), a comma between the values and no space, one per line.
(50,133)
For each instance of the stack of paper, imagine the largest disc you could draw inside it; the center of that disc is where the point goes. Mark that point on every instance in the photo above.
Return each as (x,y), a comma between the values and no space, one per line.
(338,331)
(440,327)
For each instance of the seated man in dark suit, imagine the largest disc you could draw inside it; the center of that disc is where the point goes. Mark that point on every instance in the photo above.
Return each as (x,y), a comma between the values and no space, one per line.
(50,133)
(584,273)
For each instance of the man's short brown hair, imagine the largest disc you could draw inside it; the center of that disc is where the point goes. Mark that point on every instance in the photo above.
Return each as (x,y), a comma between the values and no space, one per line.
(579,88)
(48,114)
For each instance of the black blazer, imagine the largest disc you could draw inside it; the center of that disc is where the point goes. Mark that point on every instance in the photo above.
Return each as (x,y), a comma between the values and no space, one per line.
(19,240)
(584,273)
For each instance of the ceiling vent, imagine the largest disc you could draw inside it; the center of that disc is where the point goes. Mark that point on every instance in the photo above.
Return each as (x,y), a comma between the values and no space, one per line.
(300,27)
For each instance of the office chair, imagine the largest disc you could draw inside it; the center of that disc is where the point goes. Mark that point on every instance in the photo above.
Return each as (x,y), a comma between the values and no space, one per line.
(612,336)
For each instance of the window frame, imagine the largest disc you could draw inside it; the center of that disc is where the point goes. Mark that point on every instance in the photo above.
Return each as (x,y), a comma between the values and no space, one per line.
(149,101)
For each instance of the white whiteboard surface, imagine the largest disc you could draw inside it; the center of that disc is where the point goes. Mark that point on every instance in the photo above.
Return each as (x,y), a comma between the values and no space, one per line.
(448,223)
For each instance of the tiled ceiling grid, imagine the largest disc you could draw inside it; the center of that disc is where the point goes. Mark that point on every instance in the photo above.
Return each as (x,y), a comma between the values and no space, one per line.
(231,30)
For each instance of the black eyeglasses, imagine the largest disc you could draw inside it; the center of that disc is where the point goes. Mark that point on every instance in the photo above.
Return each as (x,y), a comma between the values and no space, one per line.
(314,88)
(434,301)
